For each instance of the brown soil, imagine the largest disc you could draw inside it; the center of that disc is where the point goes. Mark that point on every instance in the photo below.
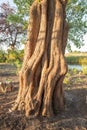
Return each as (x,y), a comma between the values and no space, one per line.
(74,117)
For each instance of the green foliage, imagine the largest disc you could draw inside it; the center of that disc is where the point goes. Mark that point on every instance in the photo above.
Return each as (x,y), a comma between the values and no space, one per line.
(67,79)
(2,56)
(14,18)
(73,76)
(77,60)
(18,64)
(13,57)
(74,70)
(69,75)
(77,19)
(84,69)
(22,13)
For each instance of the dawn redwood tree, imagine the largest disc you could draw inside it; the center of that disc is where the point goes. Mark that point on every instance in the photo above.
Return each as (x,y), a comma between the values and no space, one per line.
(44,67)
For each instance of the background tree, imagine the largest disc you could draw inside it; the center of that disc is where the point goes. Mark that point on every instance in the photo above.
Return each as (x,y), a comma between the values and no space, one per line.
(76,14)
(77,18)
(10,29)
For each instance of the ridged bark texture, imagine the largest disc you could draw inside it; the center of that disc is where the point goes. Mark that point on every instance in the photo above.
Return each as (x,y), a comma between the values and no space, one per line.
(44,66)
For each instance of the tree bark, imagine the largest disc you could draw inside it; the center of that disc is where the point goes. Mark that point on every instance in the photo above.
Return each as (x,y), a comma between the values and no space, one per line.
(44,67)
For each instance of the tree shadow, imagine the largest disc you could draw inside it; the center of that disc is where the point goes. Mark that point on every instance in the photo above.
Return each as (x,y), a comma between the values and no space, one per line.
(75,104)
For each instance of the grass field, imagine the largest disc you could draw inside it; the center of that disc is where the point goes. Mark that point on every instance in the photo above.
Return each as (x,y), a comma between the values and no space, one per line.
(76,58)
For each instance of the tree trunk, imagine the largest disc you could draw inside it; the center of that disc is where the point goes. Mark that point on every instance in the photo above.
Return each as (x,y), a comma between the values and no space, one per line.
(44,66)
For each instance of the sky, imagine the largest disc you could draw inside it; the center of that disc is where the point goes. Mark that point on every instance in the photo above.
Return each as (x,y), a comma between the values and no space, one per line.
(5,1)
(82,49)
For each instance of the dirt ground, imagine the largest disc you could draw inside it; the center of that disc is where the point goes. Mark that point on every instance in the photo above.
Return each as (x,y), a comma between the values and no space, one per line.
(74,117)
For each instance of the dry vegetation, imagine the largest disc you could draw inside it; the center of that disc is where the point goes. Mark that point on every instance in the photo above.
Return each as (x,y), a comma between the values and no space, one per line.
(74,117)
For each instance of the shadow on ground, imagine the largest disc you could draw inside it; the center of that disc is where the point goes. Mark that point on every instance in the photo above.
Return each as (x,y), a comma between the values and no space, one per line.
(74,117)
